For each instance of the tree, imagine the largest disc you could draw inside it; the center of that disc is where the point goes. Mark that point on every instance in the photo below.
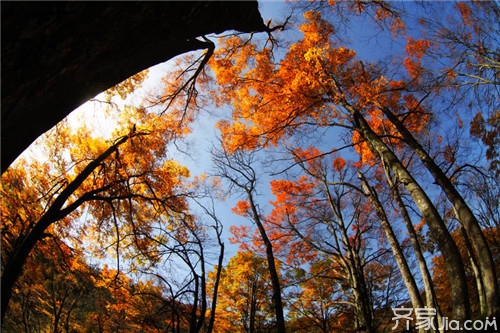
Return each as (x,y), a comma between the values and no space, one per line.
(213,278)
(430,293)
(187,245)
(399,255)
(60,292)
(245,294)
(468,41)
(320,301)
(464,46)
(54,287)
(123,184)
(328,214)
(237,168)
(275,101)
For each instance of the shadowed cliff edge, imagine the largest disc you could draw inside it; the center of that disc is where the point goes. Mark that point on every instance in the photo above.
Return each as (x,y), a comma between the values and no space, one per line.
(57,55)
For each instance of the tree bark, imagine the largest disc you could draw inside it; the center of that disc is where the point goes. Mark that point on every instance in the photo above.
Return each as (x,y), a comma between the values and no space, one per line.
(275,281)
(253,307)
(483,306)
(430,293)
(464,215)
(220,262)
(401,261)
(440,234)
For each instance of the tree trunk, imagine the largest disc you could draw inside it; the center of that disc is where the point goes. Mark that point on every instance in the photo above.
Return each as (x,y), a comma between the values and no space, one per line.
(216,285)
(430,293)
(464,215)
(56,212)
(253,306)
(364,315)
(278,304)
(354,267)
(194,307)
(440,234)
(483,306)
(408,278)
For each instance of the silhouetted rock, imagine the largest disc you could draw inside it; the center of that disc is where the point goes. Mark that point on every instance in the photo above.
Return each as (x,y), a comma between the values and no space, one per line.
(57,55)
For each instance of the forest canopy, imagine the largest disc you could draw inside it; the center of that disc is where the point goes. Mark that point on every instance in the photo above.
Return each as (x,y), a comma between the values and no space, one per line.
(356,145)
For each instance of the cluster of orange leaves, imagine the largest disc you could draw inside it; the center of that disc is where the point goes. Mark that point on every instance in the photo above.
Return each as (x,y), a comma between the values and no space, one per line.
(416,50)
(310,85)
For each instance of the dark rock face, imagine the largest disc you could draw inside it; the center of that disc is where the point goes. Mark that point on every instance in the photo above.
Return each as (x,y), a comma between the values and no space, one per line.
(57,55)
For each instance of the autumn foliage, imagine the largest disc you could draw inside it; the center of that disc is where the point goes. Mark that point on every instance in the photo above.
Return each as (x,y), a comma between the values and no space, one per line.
(357,178)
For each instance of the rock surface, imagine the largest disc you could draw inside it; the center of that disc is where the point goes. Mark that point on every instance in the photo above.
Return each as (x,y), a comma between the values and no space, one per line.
(57,55)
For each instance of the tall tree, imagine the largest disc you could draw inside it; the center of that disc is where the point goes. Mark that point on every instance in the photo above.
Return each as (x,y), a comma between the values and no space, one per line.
(329,214)
(244,295)
(124,184)
(238,169)
(213,279)
(320,301)
(430,293)
(272,101)
(399,255)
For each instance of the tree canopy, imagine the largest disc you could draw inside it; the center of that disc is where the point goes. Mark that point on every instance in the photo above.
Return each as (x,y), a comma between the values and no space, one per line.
(360,168)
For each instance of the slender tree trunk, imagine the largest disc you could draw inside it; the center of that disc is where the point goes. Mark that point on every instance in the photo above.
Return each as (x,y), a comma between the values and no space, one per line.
(253,307)
(474,265)
(354,267)
(440,234)
(278,304)
(70,310)
(203,286)
(194,307)
(430,293)
(216,286)
(464,215)
(401,261)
